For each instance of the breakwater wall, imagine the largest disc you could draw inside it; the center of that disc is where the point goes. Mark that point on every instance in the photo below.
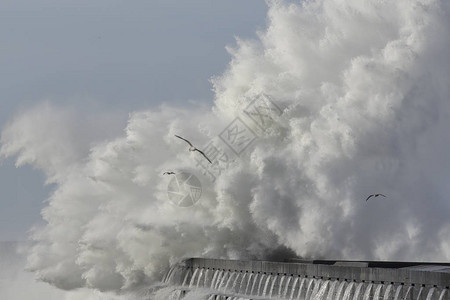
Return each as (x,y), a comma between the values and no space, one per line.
(312,280)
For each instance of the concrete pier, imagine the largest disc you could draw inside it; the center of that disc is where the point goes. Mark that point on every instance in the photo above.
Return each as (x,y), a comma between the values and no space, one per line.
(409,273)
(313,279)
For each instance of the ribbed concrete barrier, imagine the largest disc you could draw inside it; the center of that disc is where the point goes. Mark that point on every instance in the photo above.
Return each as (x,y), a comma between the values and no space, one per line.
(318,280)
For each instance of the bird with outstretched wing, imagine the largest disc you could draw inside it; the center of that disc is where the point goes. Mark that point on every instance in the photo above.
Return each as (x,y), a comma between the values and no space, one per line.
(193,148)
(374,195)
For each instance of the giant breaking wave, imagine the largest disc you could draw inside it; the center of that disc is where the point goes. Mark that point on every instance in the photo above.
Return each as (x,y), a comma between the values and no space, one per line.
(363,94)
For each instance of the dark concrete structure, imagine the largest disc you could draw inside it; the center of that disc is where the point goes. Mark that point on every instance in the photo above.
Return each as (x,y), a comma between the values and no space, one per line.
(313,279)
(417,274)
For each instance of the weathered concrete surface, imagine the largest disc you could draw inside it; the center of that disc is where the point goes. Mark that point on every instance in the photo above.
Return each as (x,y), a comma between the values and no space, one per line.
(398,272)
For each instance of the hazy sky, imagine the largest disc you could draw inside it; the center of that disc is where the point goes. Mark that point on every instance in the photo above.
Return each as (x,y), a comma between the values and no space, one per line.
(111,57)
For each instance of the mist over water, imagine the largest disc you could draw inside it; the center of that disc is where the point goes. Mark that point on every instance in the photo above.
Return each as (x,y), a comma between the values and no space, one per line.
(363,95)
(18,284)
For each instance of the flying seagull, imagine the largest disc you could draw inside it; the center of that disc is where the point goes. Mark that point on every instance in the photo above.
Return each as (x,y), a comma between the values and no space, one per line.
(192,148)
(169,173)
(374,195)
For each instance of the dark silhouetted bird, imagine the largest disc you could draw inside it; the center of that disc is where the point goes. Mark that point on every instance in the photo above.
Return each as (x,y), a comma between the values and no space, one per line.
(192,148)
(374,195)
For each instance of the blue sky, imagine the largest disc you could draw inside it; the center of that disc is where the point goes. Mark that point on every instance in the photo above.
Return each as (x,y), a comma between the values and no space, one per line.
(107,56)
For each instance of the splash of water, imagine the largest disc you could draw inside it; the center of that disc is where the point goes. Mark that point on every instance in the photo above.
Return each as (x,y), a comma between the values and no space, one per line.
(359,96)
